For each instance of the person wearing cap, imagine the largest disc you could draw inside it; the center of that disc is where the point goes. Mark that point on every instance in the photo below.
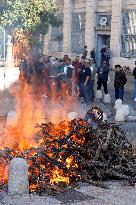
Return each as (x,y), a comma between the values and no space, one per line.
(92,80)
(119,82)
(77,65)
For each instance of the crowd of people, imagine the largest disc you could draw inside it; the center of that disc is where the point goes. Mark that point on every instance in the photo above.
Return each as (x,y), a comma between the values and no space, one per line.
(64,77)
(60,77)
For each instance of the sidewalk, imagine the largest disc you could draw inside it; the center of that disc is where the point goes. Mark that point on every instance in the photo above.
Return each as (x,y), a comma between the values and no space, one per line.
(115,194)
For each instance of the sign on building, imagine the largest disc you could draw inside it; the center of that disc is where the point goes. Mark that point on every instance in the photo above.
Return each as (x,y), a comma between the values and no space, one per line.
(103,22)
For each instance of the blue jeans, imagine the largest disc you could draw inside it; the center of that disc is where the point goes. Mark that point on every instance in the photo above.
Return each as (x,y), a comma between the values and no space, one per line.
(92,90)
(80,85)
(86,93)
(135,88)
(119,93)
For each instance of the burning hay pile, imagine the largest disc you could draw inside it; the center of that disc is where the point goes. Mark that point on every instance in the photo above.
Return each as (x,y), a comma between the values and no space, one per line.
(78,150)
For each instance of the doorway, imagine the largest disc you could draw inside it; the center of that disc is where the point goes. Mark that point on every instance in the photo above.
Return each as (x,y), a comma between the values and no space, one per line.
(102,39)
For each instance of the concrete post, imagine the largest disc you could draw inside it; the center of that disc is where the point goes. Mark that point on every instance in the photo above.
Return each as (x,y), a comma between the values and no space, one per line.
(67,10)
(116,27)
(18,177)
(90,24)
(9,56)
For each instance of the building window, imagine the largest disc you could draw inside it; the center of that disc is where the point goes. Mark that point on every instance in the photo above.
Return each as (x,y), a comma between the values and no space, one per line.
(129,34)
(56,41)
(78,32)
(3,42)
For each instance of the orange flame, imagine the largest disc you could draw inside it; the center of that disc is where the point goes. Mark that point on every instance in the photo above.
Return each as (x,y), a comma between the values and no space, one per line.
(20,134)
(58,177)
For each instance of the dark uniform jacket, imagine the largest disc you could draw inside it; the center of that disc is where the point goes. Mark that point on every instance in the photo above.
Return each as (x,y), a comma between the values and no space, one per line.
(134,72)
(120,79)
(103,73)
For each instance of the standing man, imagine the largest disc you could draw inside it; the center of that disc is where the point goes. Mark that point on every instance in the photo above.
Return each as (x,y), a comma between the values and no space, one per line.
(80,84)
(77,65)
(103,73)
(70,71)
(39,69)
(92,55)
(62,78)
(85,52)
(84,80)
(65,74)
(119,82)
(108,56)
(92,80)
(134,73)
(103,54)
(26,69)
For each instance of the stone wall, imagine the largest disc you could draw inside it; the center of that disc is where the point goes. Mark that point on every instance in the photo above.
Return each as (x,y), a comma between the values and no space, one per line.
(130,4)
(79,6)
(92,8)
(60,5)
(104,5)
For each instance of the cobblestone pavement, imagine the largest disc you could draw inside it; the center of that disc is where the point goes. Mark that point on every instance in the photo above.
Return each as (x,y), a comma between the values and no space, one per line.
(129,127)
(115,193)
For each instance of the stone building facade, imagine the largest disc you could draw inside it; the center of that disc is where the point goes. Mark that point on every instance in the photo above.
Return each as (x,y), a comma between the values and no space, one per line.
(95,23)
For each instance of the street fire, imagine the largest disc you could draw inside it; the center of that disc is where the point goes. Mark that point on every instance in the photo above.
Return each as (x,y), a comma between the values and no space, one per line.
(60,153)
(55,159)
(74,150)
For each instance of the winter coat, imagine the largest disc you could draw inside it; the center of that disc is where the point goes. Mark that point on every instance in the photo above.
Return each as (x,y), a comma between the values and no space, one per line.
(85,52)
(134,72)
(103,73)
(120,79)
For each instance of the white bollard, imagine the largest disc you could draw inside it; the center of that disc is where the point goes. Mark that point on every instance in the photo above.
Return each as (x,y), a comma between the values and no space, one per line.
(118,104)
(18,177)
(126,109)
(11,118)
(109,79)
(107,98)
(120,115)
(98,94)
(104,117)
(72,116)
